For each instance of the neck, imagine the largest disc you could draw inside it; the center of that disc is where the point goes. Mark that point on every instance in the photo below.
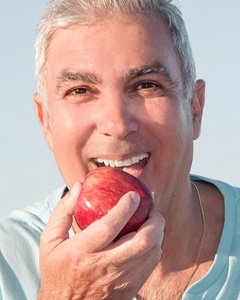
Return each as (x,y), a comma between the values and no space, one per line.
(182,248)
(184,231)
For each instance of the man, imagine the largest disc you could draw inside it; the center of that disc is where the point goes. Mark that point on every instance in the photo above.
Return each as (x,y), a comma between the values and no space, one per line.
(116,82)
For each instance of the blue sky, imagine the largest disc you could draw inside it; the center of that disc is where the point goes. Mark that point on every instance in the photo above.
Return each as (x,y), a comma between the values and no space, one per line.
(27,168)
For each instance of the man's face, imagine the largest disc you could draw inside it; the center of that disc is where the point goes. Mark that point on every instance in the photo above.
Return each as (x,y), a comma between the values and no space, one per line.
(116,97)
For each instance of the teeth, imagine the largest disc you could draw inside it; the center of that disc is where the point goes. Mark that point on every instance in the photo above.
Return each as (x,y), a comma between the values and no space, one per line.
(106,162)
(121,163)
(135,159)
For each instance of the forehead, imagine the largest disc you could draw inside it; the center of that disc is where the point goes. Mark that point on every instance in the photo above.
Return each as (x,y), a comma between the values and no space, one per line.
(111,46)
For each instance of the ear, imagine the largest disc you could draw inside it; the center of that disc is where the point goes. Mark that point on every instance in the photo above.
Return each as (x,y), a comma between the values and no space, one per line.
(44,119)
(198,101)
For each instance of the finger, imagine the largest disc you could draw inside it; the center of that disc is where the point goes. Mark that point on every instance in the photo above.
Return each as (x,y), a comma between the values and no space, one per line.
(151,232)
(60,221)
(156,224)
(145,264)
(135,245)
(102,232)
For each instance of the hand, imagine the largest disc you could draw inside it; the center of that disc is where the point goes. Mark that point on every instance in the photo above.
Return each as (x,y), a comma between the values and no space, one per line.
(90,265)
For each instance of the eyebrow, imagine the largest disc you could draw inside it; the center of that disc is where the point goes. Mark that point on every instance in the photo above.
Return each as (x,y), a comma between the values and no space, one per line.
(78,75)
(155,68)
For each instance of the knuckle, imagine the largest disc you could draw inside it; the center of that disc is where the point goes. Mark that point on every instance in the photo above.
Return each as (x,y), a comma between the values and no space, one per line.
(143,242)
(127,209)
(107,229)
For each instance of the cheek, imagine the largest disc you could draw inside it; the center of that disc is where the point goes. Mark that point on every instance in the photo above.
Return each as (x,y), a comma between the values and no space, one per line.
(70,127)
(169,119)
(171,129)
(70,133)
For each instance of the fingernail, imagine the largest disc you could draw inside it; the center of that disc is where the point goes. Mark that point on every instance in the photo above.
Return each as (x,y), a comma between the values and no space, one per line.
(135,198)
(74,189)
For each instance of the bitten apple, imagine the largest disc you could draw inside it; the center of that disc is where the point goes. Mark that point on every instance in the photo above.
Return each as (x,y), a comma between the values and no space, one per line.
(102,189)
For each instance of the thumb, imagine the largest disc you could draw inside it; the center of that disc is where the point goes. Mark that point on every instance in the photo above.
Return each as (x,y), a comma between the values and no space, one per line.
(56,230)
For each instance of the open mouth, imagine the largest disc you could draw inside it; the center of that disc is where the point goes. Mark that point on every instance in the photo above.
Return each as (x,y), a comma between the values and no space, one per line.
(138,161)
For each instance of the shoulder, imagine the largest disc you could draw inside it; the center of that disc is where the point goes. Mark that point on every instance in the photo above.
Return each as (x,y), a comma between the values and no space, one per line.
(21,229)
(228,191)
(19,246)
(28,223)
(221,279)
(34,216)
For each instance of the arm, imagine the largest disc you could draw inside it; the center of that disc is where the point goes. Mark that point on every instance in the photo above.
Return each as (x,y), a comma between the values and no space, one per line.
(91,266)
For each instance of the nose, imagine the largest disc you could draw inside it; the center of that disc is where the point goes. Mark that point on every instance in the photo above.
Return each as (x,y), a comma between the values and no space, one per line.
(117,119)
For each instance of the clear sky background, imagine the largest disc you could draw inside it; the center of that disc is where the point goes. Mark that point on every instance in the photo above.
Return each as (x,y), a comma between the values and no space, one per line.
(27,168)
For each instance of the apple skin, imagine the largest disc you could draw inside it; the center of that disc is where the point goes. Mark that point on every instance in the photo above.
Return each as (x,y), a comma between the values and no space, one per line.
(102,189)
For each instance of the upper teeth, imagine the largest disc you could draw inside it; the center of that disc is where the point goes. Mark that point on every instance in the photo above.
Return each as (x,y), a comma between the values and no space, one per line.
(121,163)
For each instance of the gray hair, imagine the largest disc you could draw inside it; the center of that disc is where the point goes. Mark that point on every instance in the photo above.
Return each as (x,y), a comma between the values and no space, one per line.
(62,13)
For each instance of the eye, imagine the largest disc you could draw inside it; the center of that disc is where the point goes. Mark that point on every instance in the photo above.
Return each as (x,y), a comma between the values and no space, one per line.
(149,89)
(80,94)
(77,91)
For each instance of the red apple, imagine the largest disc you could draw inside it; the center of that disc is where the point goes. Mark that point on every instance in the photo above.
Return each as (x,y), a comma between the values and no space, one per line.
(102,189)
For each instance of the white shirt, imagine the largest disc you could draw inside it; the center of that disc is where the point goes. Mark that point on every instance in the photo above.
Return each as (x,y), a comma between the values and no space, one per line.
(19,251)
